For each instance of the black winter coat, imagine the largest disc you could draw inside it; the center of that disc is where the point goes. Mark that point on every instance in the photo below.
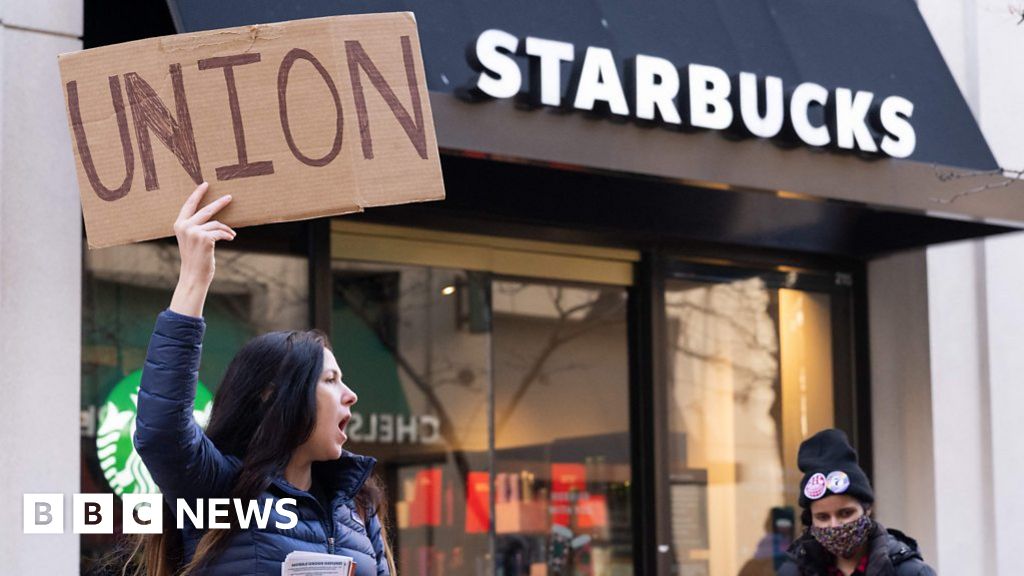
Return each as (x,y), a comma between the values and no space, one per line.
(890,553)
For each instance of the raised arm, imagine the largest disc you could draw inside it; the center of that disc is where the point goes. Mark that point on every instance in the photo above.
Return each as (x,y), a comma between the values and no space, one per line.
(184,463)
(197,236)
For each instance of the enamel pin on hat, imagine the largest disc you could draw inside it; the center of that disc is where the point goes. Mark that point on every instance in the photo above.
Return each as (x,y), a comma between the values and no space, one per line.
(838,482)
(816,486)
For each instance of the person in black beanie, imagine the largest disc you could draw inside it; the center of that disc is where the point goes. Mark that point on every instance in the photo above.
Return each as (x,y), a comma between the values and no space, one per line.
(841,538)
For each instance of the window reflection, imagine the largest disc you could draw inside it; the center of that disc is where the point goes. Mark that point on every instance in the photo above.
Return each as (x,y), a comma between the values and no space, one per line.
(440,359)
(750,376)
(415,343)
(561,429)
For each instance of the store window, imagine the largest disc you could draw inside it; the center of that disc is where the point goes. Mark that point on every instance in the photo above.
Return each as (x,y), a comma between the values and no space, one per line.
(422,373)
(561,448)
(752,370)
(124,289)
(494,397)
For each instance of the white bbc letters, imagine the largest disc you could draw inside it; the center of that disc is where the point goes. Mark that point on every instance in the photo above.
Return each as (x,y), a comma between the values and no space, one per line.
(142,513)
(256,511)
(195,516)
(43,514)
(219,508)
(293,517)
(92,513)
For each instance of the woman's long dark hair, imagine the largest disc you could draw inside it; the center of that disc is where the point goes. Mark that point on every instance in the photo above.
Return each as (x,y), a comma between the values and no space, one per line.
(264,409)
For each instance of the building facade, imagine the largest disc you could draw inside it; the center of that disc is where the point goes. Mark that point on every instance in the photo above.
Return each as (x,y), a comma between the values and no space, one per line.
(951,447)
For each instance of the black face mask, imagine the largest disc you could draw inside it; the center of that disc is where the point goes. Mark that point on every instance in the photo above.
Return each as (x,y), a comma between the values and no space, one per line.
(844,540)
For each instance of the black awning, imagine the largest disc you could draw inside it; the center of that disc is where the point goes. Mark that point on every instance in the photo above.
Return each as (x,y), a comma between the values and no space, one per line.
(878,46)
(882,46)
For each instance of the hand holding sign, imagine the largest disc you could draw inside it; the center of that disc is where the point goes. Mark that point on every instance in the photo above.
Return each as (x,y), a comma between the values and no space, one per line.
(197,236)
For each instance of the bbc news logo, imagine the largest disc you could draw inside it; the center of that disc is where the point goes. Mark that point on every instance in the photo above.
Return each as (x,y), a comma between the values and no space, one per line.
(143,513)
(93,514)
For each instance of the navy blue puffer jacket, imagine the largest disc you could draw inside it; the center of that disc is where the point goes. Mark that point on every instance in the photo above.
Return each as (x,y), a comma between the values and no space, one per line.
(185,464)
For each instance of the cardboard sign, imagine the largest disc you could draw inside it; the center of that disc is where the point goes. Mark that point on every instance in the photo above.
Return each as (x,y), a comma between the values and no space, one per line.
(295,120)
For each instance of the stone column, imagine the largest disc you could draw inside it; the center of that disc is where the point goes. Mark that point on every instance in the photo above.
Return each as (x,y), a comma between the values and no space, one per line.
(40,281)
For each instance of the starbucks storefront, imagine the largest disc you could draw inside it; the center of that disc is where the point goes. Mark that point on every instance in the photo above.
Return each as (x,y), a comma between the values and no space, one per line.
(646,286)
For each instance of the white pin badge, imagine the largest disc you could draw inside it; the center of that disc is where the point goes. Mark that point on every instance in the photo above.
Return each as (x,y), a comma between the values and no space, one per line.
(816,486)
(838,482)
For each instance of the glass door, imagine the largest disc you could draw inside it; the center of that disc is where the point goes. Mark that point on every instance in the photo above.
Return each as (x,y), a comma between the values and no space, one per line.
(561,428)
(418,355)
(753,364)
(495,398)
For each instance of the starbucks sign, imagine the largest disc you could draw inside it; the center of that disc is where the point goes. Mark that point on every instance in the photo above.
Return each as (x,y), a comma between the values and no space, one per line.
(121,464)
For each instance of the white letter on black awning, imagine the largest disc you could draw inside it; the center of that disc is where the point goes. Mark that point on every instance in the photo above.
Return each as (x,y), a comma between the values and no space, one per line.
(769,125)
(551,54)
(599,80)
(852,120)
(501,77)
(895,117)
(657,84)
(799,104)
(709,97)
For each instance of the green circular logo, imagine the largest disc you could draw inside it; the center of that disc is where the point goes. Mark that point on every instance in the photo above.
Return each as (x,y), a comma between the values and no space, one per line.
(121,464)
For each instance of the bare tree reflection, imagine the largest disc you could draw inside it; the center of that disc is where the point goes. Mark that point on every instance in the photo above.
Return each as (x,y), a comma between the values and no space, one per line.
(422,383)
(571,323)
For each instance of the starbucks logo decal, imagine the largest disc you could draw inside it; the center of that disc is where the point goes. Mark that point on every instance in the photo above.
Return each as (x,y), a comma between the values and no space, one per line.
(120,463)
